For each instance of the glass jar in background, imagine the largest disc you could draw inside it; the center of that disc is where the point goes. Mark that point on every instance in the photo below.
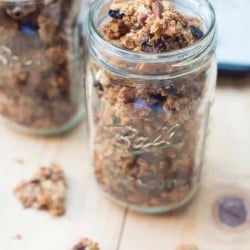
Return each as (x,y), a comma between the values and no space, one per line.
(41,72)
(148,113)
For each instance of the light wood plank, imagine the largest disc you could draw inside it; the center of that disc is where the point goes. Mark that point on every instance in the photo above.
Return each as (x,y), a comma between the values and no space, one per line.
(88,213)
(226,173)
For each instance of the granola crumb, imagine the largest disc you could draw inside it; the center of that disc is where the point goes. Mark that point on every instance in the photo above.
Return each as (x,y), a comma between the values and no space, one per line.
(17,236)
(187,247)
(86,244)
(45,191)
(19,160)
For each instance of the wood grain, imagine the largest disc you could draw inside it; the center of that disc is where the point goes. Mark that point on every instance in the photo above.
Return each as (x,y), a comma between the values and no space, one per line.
(226,173)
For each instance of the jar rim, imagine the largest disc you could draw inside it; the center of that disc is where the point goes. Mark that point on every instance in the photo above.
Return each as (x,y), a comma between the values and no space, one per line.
(19,1)
(169,56)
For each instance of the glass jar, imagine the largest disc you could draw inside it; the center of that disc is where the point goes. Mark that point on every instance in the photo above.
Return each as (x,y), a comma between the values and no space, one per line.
(148,114)
(41,76)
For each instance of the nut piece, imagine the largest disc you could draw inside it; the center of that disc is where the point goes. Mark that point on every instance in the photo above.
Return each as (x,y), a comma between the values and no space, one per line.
(187,247)
(86,244)
(46,190)
(157,8)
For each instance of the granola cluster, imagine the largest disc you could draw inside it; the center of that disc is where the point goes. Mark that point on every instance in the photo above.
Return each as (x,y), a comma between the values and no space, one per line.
(39,63)
(46,190)
(151,26)
(148,132)
(187,247)
(86,244)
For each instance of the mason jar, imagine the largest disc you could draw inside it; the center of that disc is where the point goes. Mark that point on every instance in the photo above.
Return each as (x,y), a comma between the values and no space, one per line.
(41,72)
(148,114)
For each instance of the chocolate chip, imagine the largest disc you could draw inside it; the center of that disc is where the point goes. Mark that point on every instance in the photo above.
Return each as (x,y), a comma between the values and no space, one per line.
(196,32)
(116,14)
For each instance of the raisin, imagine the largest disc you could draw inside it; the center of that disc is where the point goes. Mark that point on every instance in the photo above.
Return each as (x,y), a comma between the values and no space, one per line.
(158,97)
(145,47)
(35,181)
(98,85)
(116,120)
(172,89)
(160,46)
(157,107)
(116,14)
(28,28)
(157,47)
(196,32)
(79,246)
(140,104)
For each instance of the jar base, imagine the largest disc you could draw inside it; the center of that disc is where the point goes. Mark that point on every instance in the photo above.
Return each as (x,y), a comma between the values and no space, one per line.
(46,132)
(153,210)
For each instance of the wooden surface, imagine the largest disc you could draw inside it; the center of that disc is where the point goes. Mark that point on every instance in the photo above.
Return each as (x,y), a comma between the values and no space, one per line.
(226,173)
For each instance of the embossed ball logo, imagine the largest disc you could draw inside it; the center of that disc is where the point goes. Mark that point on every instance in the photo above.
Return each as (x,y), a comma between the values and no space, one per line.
(127,138)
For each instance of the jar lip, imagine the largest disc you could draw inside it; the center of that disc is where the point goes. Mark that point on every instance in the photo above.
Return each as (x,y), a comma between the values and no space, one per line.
(19,1)
(167,56)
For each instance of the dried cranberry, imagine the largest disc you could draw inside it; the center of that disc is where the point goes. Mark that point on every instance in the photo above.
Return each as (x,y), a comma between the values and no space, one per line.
(116,14)
(196,32)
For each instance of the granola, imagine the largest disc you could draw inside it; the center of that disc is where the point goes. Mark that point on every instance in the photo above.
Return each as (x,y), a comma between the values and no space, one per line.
(45,191)
(148,131)
(40,63)
(150,26)
(86,244)
(187,247)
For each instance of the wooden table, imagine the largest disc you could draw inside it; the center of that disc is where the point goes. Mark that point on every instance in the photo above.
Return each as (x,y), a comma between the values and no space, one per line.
(226,173)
